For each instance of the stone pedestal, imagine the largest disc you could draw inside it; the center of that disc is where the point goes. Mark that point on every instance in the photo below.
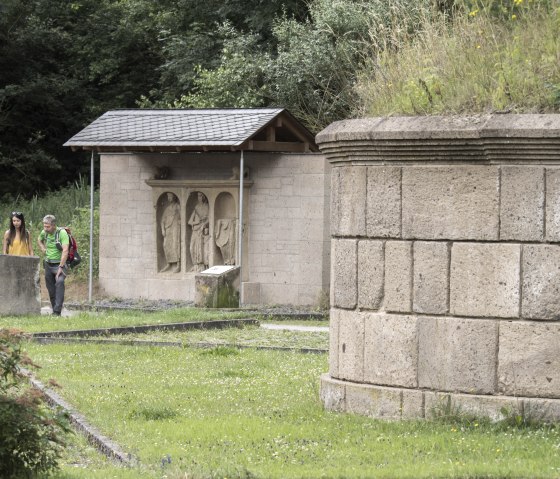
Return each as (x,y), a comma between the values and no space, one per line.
(218,287)
(445,266)
(20,291)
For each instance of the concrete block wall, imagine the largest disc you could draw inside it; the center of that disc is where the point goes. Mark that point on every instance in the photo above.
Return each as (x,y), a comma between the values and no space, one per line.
(446,265)
(20,293)
(287,225)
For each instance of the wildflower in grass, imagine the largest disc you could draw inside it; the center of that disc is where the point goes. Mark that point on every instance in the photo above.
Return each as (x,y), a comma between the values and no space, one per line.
(473,13)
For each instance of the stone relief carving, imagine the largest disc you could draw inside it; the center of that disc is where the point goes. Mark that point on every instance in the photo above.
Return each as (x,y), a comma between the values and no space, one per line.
(170,226)
(225,234)
(199,245)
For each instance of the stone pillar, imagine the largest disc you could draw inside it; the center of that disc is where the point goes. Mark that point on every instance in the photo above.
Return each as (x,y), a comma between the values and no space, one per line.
(20,291)
(445,266)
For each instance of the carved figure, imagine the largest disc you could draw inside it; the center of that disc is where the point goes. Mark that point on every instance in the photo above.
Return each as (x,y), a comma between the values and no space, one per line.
(198,221)
(225,239)
(171,233)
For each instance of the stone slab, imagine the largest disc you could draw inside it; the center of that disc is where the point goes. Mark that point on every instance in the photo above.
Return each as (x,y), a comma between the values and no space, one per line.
(391,349)
(485,280)
(541,410)
(374,401)
(522,203)
(541,282)
(496,408)
(398,276)
(333,393)
(457,354)
(383,213)
(20,293)
(457,203)
(431,277)
(529,359)
(371,273)
(344,273)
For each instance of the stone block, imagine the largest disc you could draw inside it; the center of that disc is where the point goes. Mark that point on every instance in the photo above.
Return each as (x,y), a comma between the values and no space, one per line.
(348,201)
(374,401)
(522,203)
(412,404)
(542,410)
(485,280)
(217,287)
(391,349)
(398,276)
(344,269)
(494,408)
(459,202)
(334,326)
(529,359)
(541,282)
(431,277)
(20,293)
(552,204)
(371,274)
(457,354)
(332,393)
(351,346)
(383,212)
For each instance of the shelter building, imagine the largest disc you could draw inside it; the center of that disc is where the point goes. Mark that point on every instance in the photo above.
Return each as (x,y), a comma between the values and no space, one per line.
(176,184)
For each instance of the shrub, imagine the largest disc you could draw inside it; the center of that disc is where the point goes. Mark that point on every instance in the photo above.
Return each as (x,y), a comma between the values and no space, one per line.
(31,434)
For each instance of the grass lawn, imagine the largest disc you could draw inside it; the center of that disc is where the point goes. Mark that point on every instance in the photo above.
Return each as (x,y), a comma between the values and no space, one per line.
(88,320)
(246,413)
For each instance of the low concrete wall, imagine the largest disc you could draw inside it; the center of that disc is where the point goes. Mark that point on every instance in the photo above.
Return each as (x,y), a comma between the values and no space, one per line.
(446,265)
(20,292)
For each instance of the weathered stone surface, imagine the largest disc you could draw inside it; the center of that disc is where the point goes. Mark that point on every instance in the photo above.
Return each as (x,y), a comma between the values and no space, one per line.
(529,359)
(20,292)
(460,202)
(457,354)
(371,273)
(383,213)
(541,282)
(522,203)
(485,280)
(492,407)
(217,290)
(412,404)
(344,273)
(350,346)
(552,204)
(543,410)
(431,277)
(334,326)
(374,401)
(391,349)
(398,276)
(348,202)
(333,393)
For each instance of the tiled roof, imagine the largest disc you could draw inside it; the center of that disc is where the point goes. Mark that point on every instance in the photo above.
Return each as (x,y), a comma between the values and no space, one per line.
(175,128)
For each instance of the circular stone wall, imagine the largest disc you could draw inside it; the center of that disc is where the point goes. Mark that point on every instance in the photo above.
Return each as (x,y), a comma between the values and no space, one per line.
(445,266)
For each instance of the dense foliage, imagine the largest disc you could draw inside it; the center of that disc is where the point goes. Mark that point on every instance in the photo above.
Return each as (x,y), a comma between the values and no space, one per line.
(62,64)
(31,434)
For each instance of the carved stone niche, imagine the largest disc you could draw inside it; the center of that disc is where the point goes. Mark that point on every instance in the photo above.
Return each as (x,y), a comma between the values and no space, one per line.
(208,224)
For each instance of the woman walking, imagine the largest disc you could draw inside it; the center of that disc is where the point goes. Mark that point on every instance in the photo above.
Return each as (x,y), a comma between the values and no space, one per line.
(17,240)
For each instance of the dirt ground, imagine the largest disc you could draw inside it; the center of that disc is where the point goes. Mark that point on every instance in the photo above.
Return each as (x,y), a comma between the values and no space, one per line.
(75,292)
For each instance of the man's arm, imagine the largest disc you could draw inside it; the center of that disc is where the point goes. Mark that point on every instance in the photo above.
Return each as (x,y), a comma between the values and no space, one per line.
(63,258)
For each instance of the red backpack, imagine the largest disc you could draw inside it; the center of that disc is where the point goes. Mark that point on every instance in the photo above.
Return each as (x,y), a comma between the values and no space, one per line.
(74,257)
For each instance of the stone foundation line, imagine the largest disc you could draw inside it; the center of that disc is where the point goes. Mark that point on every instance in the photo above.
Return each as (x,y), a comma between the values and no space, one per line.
(93,436)
(172,344)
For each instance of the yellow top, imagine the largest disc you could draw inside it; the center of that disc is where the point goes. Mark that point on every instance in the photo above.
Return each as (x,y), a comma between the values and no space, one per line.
(19,248)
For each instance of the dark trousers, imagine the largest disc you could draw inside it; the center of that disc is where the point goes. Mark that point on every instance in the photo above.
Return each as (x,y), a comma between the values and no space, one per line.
(55,286)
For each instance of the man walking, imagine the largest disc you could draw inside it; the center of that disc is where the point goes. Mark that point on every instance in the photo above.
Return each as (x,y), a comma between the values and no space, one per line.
(56,254)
